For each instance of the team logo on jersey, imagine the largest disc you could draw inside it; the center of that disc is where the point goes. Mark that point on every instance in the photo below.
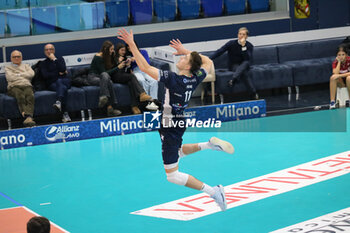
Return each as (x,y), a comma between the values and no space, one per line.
(199,73)
(186,80)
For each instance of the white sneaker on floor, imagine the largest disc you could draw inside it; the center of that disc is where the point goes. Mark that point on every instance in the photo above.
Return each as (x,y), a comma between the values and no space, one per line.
(152,106)
(57,105)
(66,118)
(221,145)
(332,105)
(220,197)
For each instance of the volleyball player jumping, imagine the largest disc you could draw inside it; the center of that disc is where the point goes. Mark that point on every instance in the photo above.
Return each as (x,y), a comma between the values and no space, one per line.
(193,68)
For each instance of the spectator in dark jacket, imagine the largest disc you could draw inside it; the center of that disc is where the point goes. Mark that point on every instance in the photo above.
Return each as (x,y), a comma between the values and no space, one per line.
(100,76)
(54,72)
(123,75)
(240,55)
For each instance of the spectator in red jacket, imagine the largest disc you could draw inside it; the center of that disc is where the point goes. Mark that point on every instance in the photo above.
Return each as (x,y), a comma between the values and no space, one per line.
(341,75)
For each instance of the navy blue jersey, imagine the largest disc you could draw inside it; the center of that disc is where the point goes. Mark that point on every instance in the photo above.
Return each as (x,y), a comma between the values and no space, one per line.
(178,90)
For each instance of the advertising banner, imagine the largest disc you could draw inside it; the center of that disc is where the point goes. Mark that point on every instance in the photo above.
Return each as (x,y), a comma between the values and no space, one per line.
(198,117)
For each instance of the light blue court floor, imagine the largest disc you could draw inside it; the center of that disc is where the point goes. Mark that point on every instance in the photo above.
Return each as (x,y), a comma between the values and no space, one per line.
(92,186)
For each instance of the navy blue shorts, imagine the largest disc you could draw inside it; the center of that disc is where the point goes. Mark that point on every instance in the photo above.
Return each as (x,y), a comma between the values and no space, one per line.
(171,142)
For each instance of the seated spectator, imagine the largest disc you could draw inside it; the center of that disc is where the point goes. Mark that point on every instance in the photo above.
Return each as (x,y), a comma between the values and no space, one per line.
(240,54)
(53,70)
(99,75)
(38,224)
(346,44)
(341,75)
(19,76)
(149,84)
(123,75)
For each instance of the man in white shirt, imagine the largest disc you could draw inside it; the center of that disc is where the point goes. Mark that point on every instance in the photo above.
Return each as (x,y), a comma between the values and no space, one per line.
(19,77)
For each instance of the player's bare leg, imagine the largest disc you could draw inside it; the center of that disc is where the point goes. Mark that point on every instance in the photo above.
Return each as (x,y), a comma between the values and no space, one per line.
(174,176)
(213,144)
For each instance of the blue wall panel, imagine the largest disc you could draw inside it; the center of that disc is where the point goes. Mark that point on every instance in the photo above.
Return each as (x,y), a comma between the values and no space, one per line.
(212,8)
(234,7)
(333,13)
(117,12)
(188,9)
(308,23)
(258,5)
(43,20)
(98,15)
(19,22)
(141,11)
(164,10)
(68,17)
(87,15)
(2,23)
(323,14)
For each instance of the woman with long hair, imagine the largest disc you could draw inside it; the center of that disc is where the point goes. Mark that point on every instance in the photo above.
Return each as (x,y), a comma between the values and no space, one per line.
(124,76)
(341,74)
(99,75)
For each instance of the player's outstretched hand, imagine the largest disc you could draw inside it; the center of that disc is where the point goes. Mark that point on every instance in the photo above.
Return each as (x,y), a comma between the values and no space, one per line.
(178,46)
(124,35)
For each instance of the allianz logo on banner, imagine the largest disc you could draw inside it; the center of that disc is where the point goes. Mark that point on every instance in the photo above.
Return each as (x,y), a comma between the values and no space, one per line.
(81,59)
(54,133)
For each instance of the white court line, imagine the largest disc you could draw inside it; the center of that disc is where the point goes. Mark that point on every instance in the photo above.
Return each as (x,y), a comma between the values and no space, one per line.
(47,203)
(11,208)
(248,191)
(338,221)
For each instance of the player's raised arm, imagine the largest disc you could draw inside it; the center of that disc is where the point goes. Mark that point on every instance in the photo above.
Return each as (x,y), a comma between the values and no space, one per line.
(128,38)
(181,50)
(207,63)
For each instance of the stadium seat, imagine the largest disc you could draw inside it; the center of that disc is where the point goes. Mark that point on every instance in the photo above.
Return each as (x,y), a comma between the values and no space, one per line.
(141,11)
(234,7)
(92,15)
(43,20)
(3,5)
(258,5)
(188,9)
(2,23)
(68,17)
(98,15)
(23,3)
(212,8)
(18,22)
(53,2)
(34,3)
(8,4)
(117,12)
(164,10)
